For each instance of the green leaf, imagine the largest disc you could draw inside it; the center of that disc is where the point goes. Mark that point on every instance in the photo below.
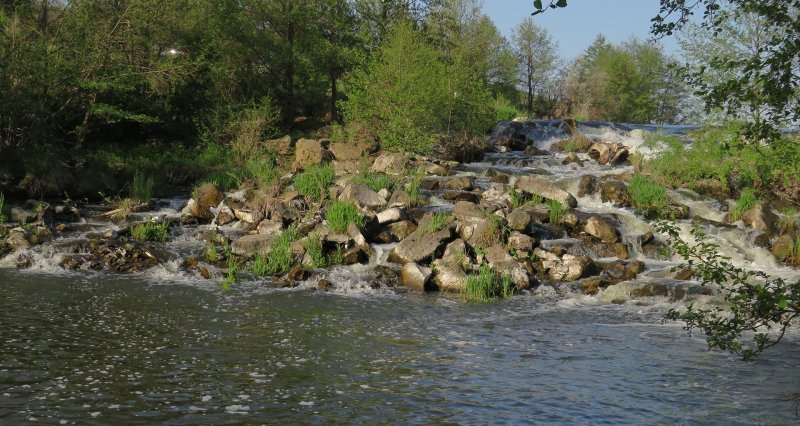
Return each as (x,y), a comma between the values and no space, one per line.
(561,3)
(537,4)
(783,304)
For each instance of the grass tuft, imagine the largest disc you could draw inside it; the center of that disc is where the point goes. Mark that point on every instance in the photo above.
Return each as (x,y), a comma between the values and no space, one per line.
(438,221)
(150,231)
(313,183)
(280,257)
(486,286)
(557,211)
(648,196)
(374,181)
(341,213)
(142,188)
(747,200)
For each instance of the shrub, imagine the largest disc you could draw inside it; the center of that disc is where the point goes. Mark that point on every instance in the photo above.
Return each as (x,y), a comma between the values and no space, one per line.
(142,188)
(648,196)
(261,168)
(375,181)
(280,257)
(246,129)
(557,210)
(747,200)
(504,111)
(313,183)
(409,94)
(150,231)
(486,286)
(341,214)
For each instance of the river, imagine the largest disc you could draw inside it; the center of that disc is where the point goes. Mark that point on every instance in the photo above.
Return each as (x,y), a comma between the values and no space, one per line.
(99,349)
(166,346)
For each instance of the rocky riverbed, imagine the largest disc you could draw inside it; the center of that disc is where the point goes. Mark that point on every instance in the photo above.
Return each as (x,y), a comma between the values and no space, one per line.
(545,204)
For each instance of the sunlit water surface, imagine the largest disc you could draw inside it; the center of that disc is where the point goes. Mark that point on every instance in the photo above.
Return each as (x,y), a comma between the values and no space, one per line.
(114,350)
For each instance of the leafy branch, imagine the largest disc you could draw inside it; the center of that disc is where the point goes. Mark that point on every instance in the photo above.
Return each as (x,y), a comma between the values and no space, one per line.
(759,309)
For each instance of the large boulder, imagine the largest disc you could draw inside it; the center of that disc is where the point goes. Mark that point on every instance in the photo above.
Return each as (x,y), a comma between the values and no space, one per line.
(248,245)
(504,264)
(784,247)
(419,246)
(761,218)
(538,186)
(519,220)
(207,196)
(390,164)
(362,196)
(479,232)
(343,151)
(449,278)
(602,229)
(465,210)
(309,152)
(415,276)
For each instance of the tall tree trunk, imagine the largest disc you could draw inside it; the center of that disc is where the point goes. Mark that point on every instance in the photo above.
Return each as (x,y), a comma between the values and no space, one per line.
(530,89)
(288,104)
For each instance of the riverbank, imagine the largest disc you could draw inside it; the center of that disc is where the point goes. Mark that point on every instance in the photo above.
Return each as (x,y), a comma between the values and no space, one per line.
(543,207)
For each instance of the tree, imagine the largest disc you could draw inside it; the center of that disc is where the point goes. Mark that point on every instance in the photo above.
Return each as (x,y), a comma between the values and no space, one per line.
(742,37)
(631,83)
(411,97)
(537,56)
(767,80)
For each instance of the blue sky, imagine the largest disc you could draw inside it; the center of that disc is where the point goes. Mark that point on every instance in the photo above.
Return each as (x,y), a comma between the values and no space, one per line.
(576,26)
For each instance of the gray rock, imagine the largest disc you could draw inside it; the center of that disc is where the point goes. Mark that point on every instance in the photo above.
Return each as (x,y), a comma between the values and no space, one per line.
(247,245)
(520,241)
(535,185)
(449,278)
(22,216)
(419,246)
(207,197)
(519,220)
(344,151)
(390,164)
(391,215)
(504,264)
(616,193)
(465,210)
(362,196)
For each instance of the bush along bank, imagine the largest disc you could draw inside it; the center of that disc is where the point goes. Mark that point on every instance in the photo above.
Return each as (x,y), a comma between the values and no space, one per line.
(319,204)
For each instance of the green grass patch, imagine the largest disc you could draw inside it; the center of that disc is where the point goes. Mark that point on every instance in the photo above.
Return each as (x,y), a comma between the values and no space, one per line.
(557,211)
(648,196)
(150,231)
(438,221)
(520,199)
(747,200)
(341,214)
(142,188)
(486,286)
(280,257)
(413,187)
(374,181)
(314,182)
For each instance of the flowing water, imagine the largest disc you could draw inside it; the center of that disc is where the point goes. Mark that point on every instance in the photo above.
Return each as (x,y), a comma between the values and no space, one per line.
(168,347)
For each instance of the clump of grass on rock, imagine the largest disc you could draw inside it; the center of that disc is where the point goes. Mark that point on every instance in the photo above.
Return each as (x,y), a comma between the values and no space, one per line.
(341,214)
(313,183)
(487,285)
(150,231)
